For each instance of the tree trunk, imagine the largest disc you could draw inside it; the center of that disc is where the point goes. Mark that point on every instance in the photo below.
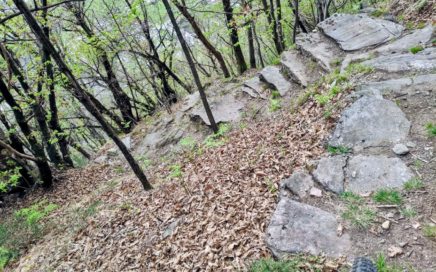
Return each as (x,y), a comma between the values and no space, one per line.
(231,26)
(269,11)
(191,66)
(79,92)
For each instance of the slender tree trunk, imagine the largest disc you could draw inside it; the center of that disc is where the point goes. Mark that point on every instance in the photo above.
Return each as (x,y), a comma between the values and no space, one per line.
(259,50)
(269,11)
(231,25)
(184,11)
(79,92)
(279,25)
(37,148)
(191,66)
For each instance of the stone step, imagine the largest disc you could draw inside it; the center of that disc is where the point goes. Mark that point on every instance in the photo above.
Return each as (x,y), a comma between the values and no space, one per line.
(300,228)
(299,69)
(320,49)
(359,31)
(272,76)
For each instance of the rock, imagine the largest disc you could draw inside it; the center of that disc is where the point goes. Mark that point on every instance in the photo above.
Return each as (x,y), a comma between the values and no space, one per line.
(190,101)
(127,141)
(330,173)
(399,63)
(411,144)
(319,48)
(403,44)
(255,84)
(225,109)
(295,68)
(300,228)
(315,192)
(299,183)
(394,251)
(370,121)
(101,159)
(375,172)
(400,149)
(272,76)
(359,31)
(386,225)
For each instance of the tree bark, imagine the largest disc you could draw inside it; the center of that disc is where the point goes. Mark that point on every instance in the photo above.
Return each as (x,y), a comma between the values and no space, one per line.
(191,66)
(79,92)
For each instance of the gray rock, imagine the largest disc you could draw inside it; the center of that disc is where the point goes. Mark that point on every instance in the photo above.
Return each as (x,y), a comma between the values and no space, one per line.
(255,84)
(330,173)
(101,159)
(411,144)
(400,149)
(359,31)
(225,109)
(317,47)
(420,62)
(190,101)
(127,141)
(295,67)
(369,173)
(299,183)
(403,44)
(272,76)
(301,228)
(370,121)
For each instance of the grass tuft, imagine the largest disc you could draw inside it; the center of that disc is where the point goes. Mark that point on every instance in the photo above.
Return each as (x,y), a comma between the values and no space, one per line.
(387,196)
(416,49)
(431,129)
(334,150)
(429,231)
(413,184)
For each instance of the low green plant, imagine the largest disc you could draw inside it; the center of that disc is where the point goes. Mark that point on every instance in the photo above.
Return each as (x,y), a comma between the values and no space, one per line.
(429,231)
(431,129)
(217,139)
(175,171)
(188,143)
(356,211)
(275,61)
(334,150)
(416,49)
(119,169)
(350,197)
(408,212)
(5,256)
(382,265)
(378,13)
(274,104)
(295,263)
(413,184)
(418,164)
(275,94)
(9,178)
(387,196)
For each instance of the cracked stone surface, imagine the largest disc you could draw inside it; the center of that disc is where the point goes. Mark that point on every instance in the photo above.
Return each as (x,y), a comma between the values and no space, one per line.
(295,67)
(225,109)
(419,62)
(299,183)
(300,228)
(359,31)
(369,173)
(370,121)
(330,173)
(272,76)
(317,47)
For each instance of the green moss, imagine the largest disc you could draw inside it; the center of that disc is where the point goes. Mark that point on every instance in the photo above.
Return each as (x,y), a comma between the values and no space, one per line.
(431,130)
(416,49)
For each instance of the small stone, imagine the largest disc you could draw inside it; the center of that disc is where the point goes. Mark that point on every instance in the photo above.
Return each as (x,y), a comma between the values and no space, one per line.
(400,149)
(390,215)
(416,225)
(415,238)
(386,224)
(394,251)
(411,144)
(403,244)
(315,192)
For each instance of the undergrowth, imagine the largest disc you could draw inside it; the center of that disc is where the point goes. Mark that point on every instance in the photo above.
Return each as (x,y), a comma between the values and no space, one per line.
(388,196)
(356,211)
(295,263)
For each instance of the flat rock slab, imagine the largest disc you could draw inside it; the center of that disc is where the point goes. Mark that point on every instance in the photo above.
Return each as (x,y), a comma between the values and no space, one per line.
(295,68)
(272,76)
(254,87)
(369,173)
(299,183)
(330,173)
(370,122)
(225,109)
(359,31)
(317,47)
(300,228)
(420,62)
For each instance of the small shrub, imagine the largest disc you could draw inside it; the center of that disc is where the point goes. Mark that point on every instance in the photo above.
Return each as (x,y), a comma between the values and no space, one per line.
(413,184)
(429,231)
(322,99)
(216,139)
(416,49)
(334,150)
(382,265)
(188,143)
(388,196)
(176,171)
(431,129)
(5,256)
(274,104)
(275,94)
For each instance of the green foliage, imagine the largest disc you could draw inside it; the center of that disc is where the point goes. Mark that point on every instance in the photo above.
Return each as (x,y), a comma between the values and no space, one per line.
(431,129)
(188,143)
(175,171)
(334,150)
(378,13)
(310,263)
(356,211)
(387,196)
(9,177)
(413,184)
(429,231)
(382,265)
(408,212)
(274,104)
(416,49)
(35,213)
(217,139)
(5,256)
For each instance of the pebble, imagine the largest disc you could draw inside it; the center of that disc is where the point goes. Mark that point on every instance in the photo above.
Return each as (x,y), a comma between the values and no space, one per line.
(403,244)
(411,144)
(315,192)
(386,224)
(400,149)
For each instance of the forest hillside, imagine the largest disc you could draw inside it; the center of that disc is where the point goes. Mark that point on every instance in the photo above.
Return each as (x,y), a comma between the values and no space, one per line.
(217,135)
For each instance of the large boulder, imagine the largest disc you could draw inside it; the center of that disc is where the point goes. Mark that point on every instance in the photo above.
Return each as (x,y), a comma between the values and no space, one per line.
(271,75)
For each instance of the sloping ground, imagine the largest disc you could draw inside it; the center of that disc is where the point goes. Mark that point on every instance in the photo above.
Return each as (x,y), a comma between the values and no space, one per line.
(212,206)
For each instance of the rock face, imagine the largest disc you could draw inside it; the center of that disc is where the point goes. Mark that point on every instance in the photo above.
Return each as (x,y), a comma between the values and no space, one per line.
(419,62)
(272,76)
(359,31)
(225,109)
(330,173)
(369,173)
(299,183)
(403,44)
(319,49)
(301,228)
(296,68)
(370,121)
